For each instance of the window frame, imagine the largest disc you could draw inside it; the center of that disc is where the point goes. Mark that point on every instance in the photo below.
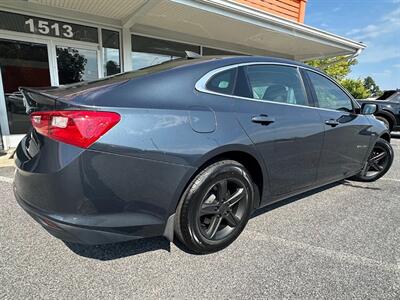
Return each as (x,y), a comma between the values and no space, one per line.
(201,84)
(354,104)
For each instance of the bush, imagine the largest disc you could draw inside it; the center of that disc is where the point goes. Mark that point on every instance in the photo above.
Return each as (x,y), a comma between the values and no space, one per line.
(356,88)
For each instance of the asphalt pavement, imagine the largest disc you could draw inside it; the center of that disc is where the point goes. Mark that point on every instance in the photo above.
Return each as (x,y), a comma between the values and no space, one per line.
(341,241)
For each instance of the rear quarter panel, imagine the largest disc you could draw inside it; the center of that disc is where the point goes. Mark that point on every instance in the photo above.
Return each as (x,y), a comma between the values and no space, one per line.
(163,118)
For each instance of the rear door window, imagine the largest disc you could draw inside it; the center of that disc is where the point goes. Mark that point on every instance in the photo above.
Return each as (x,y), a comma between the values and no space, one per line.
(276,83)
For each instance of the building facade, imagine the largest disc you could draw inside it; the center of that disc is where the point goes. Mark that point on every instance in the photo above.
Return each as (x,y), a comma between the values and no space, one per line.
(57,42)
(289,9)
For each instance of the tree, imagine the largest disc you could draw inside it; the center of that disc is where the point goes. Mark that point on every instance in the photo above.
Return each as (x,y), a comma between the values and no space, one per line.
(356,88)
(71,65)
(337,67)
(370,85)
(112,68)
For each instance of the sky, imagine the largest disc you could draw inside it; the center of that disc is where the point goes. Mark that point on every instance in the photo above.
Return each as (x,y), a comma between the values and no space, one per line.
(376,23)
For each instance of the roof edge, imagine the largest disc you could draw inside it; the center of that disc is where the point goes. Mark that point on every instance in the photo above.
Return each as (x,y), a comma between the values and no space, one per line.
(289,25)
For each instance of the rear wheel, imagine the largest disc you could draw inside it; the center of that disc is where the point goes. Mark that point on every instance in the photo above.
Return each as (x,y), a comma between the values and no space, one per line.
(215,207)
(378,163)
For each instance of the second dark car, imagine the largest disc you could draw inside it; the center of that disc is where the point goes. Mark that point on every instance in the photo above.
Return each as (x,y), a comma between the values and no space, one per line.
(388,108)
(189,148)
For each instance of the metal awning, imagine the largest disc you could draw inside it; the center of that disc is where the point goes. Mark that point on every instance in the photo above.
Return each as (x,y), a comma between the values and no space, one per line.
(215,23)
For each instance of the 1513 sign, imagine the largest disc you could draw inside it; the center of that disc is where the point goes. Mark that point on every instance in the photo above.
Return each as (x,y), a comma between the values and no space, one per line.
(41,26)
(50,28)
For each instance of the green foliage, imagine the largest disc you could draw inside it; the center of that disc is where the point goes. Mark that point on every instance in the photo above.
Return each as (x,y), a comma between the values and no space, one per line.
(370,85)
(112,67)
(339,68)
(336,67)
(356,88)
(71,65)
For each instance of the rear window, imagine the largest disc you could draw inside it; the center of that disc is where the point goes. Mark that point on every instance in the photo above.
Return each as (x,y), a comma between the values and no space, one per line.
(122,77)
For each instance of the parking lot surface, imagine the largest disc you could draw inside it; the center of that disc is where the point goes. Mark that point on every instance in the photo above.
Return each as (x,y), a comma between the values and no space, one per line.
(341,241)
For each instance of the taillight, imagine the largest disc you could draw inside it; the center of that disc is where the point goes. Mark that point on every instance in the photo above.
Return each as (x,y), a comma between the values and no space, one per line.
(76,127)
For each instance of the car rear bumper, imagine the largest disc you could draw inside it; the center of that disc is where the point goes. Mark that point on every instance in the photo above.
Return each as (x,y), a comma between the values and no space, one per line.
(94,197)
(74,233)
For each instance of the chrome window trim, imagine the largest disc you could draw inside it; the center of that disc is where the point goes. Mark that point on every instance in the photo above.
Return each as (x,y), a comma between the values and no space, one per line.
(201,84)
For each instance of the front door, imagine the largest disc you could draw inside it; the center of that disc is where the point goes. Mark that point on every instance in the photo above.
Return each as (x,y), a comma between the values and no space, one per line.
(347,136)
(282,125)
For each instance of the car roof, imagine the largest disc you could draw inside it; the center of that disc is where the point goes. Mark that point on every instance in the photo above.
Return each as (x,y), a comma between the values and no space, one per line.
(225,60)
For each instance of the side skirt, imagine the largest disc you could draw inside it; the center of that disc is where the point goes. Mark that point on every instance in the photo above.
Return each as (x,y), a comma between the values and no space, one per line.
(302,191)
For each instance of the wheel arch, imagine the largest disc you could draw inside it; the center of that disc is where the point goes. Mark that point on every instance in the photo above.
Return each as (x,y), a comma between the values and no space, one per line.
(385,136)
(387,115)
(245,155)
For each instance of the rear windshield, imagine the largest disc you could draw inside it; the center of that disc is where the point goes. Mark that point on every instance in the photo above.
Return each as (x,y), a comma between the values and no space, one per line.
(121,77)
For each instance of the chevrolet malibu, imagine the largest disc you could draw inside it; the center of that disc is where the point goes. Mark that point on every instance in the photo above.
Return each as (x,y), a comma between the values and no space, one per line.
(189,149)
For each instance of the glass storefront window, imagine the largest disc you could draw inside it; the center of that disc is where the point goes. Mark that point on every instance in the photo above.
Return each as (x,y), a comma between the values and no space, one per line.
(148,52)
(111,53)
(22,64)
(75,65)
(212,51)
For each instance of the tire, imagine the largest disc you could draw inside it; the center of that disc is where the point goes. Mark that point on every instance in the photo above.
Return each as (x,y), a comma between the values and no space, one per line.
(211,213)
(385,121)
(375,168)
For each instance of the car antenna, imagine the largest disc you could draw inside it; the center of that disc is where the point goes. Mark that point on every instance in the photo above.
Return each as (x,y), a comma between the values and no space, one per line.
(192,55)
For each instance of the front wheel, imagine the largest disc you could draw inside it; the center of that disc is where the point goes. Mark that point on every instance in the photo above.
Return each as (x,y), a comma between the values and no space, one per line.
(215,207)
(378,163)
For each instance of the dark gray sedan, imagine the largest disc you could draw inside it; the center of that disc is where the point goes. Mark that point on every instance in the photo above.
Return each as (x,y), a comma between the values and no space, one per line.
(189,148)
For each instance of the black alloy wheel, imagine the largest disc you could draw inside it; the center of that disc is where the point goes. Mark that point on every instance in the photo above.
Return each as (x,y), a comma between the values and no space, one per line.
(215,207)
(222,209)
(378,162)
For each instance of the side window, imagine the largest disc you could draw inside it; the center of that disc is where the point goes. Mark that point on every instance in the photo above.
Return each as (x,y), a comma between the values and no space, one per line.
(329,95)
(276,83)
(222,82)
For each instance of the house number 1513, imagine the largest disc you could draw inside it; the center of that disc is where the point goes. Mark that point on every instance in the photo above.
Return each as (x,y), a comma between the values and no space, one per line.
(47,28)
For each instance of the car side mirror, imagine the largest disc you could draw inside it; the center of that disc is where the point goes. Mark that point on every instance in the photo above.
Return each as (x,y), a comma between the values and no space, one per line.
(369,109)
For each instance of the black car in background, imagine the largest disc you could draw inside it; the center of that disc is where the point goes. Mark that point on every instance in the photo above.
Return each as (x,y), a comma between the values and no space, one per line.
(388,109)
(189,148)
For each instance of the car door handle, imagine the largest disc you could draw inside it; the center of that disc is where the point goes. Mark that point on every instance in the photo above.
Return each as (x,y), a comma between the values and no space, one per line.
(332,122)
(263,119)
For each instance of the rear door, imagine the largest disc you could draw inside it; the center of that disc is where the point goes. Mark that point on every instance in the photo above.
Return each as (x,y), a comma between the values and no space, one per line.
(347,137)
(276,114)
